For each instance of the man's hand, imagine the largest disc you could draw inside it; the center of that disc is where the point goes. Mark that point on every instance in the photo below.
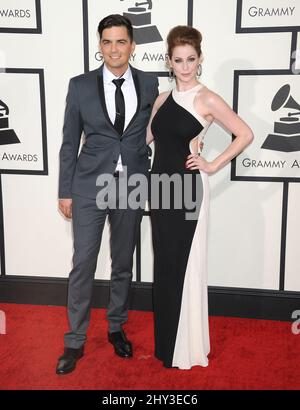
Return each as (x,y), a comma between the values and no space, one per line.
(65,206)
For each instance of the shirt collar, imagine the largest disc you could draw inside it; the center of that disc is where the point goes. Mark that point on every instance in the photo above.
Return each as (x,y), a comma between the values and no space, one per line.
(108,76)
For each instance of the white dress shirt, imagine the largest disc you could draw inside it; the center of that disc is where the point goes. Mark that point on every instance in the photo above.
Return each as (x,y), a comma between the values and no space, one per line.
(130,98)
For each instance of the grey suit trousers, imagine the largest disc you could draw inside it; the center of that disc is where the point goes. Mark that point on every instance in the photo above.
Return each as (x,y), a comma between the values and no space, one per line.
(88,224)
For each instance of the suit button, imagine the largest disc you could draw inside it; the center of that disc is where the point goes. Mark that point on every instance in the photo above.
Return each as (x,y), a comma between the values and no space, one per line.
(114,161)
(121,139)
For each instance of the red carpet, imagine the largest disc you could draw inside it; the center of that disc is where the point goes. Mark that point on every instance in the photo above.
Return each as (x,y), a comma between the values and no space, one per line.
(246,354)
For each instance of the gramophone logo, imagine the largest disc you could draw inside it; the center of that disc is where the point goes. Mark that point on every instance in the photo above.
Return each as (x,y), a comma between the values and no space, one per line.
(286,135)
(143,31)
(7,135)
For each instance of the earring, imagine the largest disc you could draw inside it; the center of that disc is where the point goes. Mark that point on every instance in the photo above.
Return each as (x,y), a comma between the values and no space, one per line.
(199,72)
(171,74)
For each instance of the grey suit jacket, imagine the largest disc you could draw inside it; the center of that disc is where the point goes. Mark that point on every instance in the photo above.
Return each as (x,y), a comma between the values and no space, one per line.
(86,113)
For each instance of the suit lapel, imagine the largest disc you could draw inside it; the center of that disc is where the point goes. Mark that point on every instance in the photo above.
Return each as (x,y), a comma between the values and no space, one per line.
(102,96)
(138,94)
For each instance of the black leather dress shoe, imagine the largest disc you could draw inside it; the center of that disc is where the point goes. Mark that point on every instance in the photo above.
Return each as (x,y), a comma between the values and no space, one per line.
(67,362)
(123,347)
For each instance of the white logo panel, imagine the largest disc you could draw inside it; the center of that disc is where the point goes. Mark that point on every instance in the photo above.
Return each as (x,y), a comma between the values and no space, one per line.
(20,16)
(22,123)
(264,14)
(150,28)
(270,104)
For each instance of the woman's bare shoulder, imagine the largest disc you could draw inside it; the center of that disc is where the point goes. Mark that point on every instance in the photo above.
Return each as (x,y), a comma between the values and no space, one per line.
(206,95)
(209,98)
(161,99)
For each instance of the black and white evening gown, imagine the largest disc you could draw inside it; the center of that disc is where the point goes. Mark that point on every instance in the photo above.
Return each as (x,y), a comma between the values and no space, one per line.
(179,243)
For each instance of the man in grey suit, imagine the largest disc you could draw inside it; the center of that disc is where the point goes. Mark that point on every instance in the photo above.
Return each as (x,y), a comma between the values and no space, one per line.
(112,107)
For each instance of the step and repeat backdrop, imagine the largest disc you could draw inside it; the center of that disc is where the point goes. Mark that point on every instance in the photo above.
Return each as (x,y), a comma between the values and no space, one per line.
(251,58)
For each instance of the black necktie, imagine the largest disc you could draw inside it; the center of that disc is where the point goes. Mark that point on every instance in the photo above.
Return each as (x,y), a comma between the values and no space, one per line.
(120,106)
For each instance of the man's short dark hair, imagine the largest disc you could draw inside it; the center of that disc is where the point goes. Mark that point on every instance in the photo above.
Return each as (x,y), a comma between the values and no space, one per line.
(116,20)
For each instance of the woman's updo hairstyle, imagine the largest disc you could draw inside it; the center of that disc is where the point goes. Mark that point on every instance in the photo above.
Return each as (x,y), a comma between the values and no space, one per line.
(182,35)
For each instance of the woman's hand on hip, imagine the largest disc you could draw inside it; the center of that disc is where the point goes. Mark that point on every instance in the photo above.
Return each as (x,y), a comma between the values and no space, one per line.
(195,161)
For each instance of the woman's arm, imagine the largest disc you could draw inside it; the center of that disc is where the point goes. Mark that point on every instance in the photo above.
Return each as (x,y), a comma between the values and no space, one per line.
(219,110)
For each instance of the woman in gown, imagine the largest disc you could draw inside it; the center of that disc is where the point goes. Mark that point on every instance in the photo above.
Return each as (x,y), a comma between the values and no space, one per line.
(178,124)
